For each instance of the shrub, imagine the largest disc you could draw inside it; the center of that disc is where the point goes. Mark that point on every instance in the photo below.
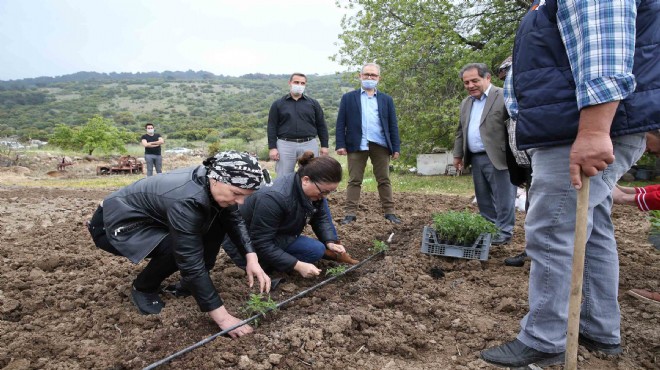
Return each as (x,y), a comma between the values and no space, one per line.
(462,227)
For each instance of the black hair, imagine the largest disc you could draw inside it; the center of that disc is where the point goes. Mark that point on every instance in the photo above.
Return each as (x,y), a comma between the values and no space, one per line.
(297,74)
(319,169)
(149,124)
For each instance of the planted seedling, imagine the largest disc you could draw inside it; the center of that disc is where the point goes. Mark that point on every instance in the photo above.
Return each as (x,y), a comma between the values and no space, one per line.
(259,304)
(379,246)
(335,271)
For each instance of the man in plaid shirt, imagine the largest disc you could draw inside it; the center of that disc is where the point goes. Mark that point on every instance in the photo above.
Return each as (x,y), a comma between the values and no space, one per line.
(582,108)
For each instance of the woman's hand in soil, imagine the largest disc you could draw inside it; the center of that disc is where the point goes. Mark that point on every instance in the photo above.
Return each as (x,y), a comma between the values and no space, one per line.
(337,248)
(225,321)
(253,270)
(306,270)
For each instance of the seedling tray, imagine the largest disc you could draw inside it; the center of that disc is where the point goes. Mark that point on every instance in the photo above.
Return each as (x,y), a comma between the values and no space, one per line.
(477,251)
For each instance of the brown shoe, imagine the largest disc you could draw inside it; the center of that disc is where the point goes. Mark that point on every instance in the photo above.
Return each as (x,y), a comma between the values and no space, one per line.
(340,257)
(645,295)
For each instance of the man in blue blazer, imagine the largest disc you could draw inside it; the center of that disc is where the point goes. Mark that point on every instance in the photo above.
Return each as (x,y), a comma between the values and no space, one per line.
(367,128)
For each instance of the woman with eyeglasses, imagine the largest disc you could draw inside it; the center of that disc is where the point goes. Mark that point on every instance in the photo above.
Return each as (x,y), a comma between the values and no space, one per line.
(276,216)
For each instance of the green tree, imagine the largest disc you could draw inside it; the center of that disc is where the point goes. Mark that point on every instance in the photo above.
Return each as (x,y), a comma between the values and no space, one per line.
(421,46)
(97,134)
(63,137)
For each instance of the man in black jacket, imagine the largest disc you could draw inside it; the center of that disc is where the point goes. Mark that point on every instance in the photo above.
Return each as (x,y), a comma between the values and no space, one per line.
(294,122)
(179,220)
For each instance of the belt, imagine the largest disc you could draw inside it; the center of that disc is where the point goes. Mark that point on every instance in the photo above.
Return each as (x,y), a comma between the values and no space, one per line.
(477,153)
(301,140)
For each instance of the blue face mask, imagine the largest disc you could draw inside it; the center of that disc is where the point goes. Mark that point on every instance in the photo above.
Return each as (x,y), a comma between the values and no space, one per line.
(369,84)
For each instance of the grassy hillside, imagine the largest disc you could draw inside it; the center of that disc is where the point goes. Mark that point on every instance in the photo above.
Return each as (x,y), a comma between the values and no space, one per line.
(190,106)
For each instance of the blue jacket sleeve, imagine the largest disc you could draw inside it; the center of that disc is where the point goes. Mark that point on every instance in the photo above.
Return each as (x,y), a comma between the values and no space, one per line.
(340,130)
(394,127)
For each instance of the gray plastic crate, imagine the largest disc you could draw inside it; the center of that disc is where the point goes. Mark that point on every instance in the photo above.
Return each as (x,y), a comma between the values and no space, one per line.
(478,250)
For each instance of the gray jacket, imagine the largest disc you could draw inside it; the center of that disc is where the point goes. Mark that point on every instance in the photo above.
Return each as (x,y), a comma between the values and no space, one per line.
(492,129)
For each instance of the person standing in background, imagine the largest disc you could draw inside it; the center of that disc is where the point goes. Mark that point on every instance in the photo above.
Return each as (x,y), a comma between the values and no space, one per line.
(367,128)
(294,122)
(481,141)
(152,151)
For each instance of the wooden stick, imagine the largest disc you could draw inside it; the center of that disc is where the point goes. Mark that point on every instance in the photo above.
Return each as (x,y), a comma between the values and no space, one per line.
(575,298)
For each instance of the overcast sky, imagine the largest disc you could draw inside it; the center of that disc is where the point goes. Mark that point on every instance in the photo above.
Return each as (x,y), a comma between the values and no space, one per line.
(230,37)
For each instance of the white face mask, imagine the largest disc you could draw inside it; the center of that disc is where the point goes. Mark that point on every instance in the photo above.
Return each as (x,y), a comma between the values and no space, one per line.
(150,131)
(297,89)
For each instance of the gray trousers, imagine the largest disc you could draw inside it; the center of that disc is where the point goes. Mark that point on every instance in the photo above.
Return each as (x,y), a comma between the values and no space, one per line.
(153,160)
(496,195)
(550,234)
(289,153)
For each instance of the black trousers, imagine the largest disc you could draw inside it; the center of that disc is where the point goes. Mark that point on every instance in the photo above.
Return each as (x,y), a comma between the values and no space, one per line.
(162,261)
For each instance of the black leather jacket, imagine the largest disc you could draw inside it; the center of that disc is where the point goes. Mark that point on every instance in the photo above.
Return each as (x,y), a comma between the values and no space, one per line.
(277,215)
(138,217)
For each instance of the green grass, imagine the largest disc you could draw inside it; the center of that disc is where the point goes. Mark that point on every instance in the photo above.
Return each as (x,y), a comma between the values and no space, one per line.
(100,182)
(409,182)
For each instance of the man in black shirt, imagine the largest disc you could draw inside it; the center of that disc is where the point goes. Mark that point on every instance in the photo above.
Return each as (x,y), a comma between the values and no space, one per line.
(151,143)
(294,122)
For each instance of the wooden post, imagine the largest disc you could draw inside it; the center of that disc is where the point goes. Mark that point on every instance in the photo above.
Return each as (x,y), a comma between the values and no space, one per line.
(575,298)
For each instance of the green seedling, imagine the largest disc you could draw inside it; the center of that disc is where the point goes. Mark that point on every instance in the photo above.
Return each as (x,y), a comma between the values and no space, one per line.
(654,217)
(259,304)
(335,271)
(461,227)
(379,246)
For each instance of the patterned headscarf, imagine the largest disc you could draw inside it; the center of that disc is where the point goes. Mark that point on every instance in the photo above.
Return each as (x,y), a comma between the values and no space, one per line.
(238,169)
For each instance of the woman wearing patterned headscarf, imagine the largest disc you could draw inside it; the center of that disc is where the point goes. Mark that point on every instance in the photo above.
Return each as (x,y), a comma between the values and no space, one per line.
(178,220)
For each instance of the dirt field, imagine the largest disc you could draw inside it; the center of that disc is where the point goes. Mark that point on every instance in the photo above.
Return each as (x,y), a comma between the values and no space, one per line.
(64,304)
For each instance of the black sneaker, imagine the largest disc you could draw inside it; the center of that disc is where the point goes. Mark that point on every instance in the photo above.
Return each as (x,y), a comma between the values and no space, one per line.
(348,219)
(499,239)
(391,217)
(516,261)
(595,346)
(147,303)
(177,289)
(516,354)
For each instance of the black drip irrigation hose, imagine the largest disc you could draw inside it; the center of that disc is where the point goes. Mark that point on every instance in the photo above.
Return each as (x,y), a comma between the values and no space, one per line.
(249,320)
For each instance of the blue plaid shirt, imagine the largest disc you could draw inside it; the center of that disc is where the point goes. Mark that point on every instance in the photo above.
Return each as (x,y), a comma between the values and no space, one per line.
(600,43)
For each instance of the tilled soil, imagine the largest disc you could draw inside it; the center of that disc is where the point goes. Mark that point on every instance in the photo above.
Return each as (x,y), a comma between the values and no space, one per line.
(64,304)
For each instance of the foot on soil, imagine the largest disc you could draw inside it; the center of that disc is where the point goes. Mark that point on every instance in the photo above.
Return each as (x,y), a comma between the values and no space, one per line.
(147,303)
(348,219)
(516,261)
(391,217)
(595,346)
(516,354)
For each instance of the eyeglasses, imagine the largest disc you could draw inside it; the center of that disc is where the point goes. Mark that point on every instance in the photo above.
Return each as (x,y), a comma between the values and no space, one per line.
(324,193)
(370,75)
